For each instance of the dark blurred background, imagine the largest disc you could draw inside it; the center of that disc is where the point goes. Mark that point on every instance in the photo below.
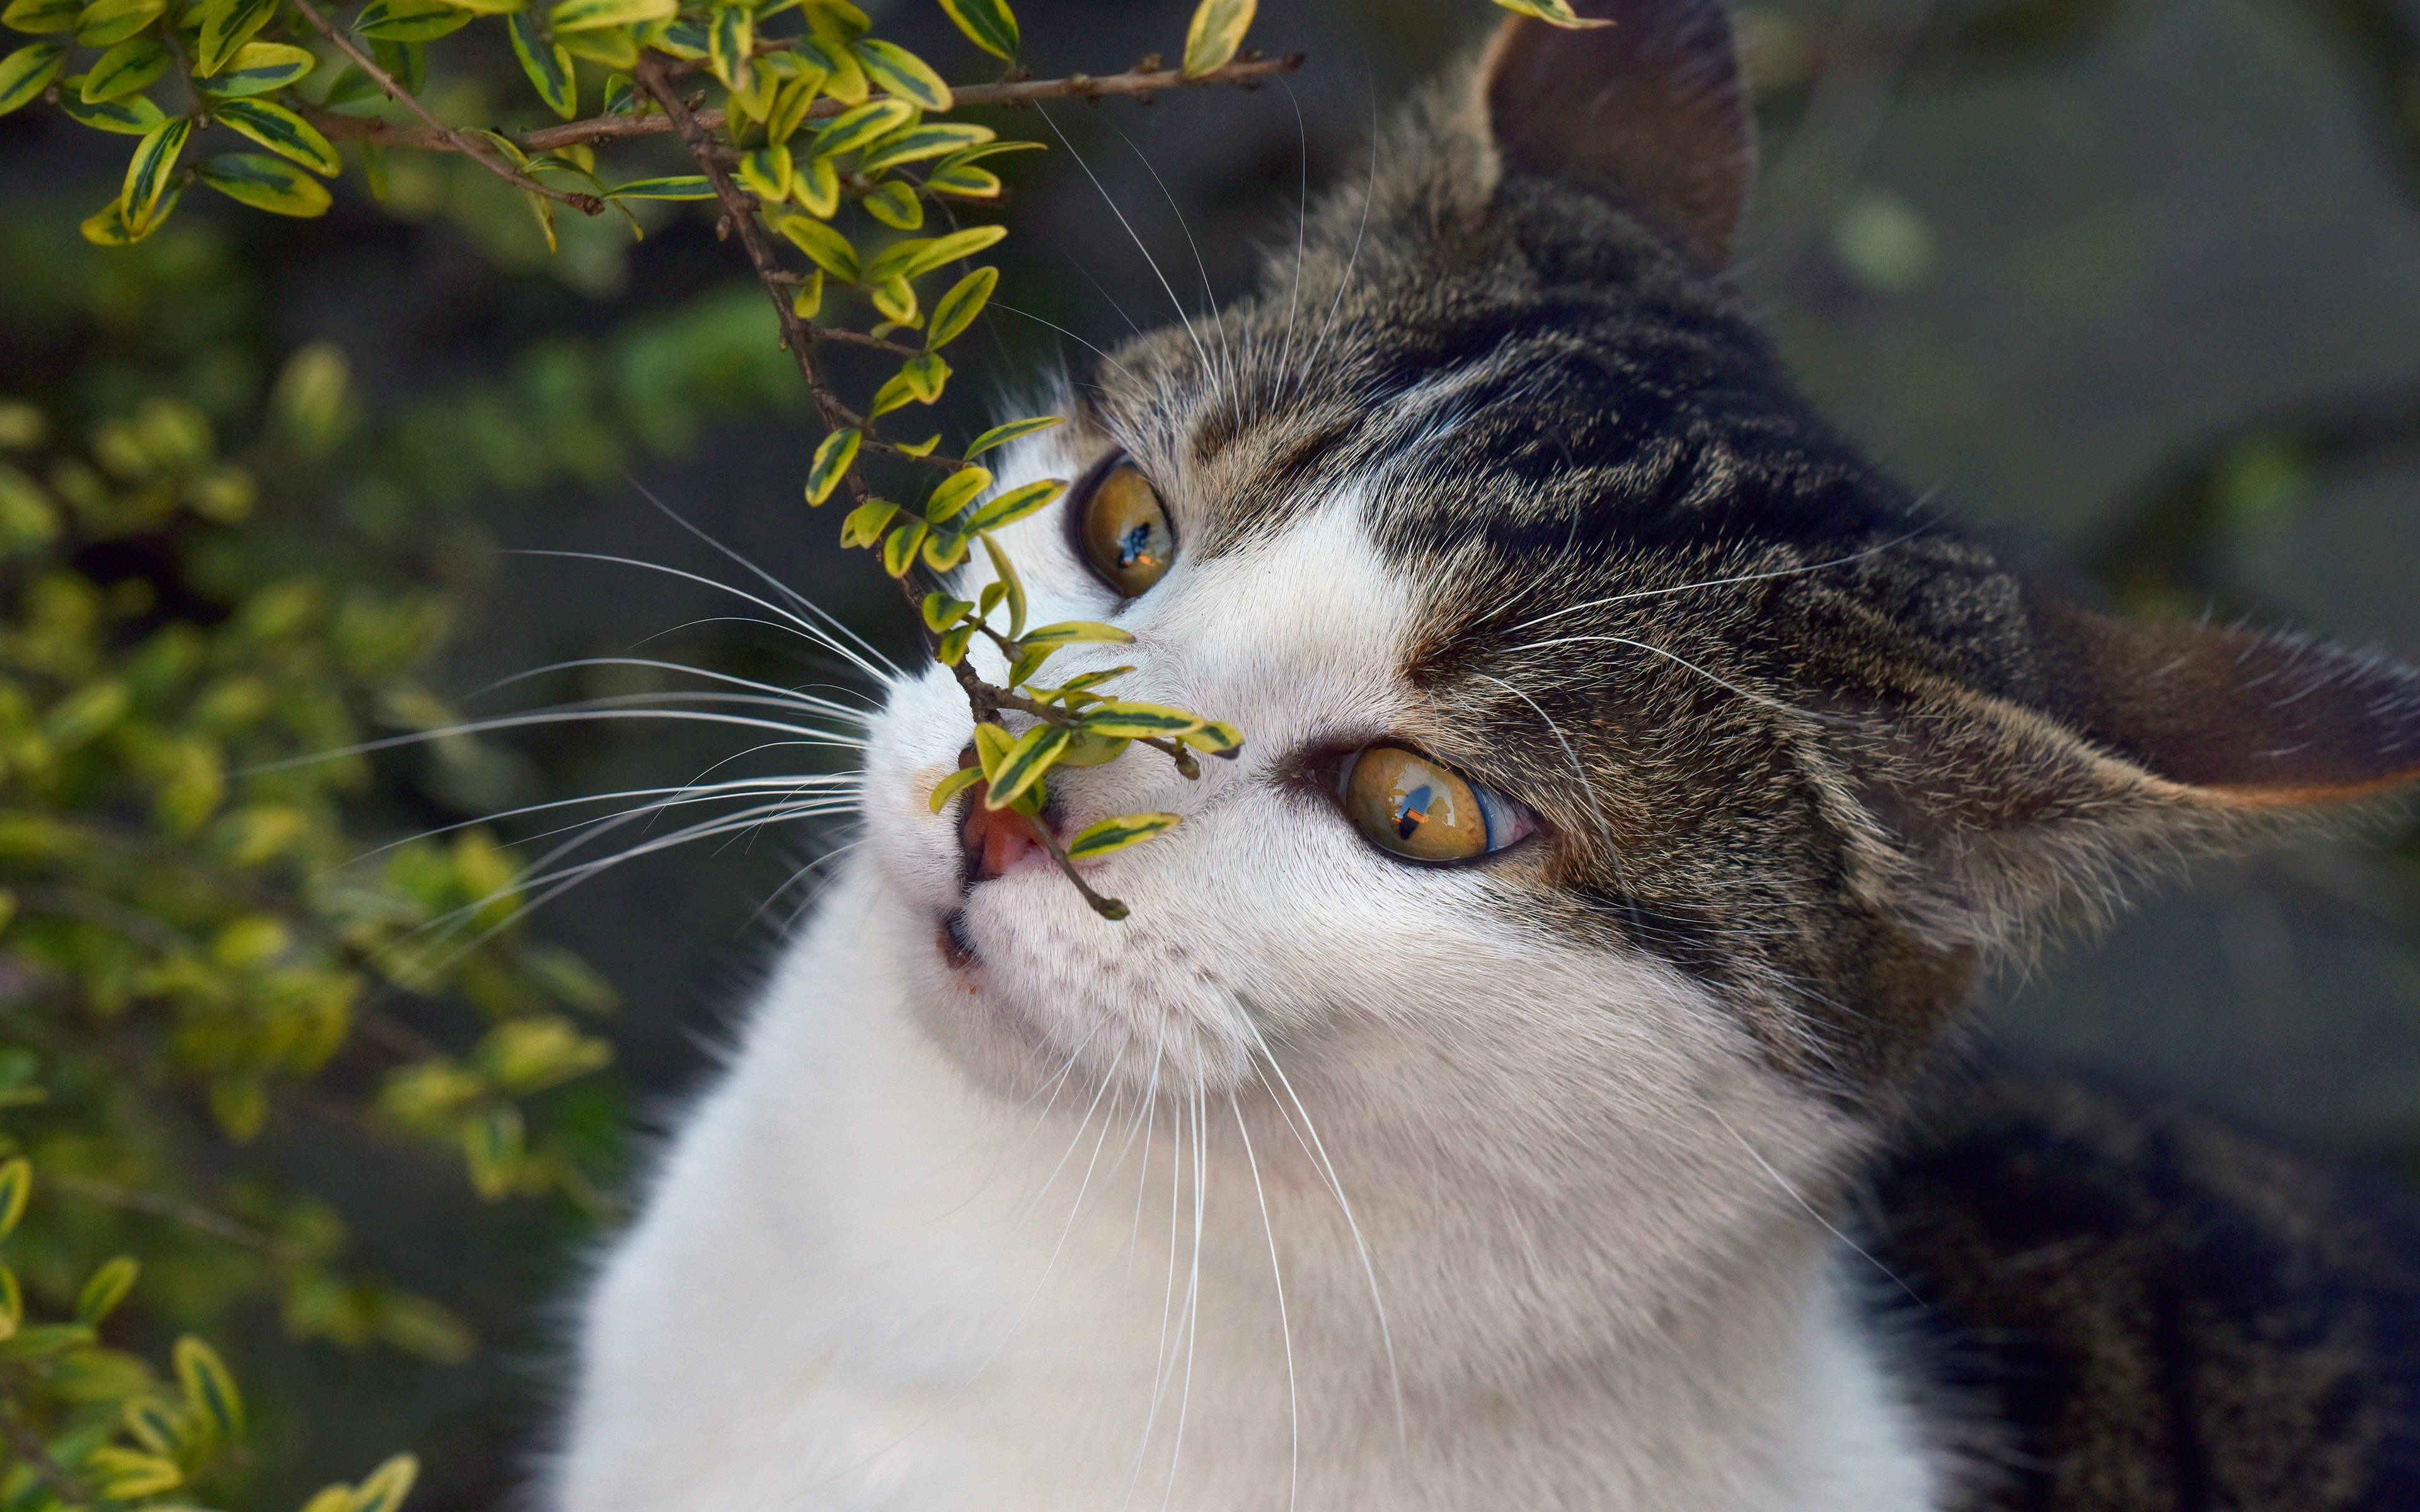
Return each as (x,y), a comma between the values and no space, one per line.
(2133,284)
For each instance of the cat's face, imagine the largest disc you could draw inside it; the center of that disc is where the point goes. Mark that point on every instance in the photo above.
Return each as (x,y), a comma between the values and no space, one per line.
(1619,746)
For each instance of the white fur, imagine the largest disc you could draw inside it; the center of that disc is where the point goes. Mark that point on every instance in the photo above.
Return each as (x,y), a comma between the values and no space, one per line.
(999,1237)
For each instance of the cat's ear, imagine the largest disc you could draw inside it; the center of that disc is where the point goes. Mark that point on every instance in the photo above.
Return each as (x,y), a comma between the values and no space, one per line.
(1646,113)
(2134,744)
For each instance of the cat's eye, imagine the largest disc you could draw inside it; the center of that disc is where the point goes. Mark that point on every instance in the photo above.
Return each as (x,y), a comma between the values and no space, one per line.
(1123,530)
(1423,811)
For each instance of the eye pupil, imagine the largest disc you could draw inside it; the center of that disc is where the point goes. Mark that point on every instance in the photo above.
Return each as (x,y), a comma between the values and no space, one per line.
(1123,530)
(1137,542)
(1416,812)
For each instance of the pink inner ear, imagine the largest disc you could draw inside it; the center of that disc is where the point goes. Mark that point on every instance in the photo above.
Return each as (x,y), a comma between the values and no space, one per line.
(1646,113)
(2257,721)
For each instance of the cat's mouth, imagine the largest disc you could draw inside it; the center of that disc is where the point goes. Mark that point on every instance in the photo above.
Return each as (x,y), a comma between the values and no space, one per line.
(992,842)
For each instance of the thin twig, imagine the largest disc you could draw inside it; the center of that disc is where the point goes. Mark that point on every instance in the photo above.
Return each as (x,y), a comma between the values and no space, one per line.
(192,1215)
(28,1446)
(442,137)
(596,130)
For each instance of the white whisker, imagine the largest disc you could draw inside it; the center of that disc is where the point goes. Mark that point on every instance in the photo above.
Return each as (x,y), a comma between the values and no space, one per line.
(1285,1328)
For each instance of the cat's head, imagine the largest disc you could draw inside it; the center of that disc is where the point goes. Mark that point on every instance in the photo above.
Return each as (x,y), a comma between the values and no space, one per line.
(1616,735)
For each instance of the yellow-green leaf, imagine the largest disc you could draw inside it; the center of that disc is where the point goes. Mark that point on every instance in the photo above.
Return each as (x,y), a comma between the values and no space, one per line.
(1136,722)
(1013,430)
(41,16)
(1067,632)
(612,47)
(121,70)
(895,203)
(491,1148)
(209,1389)
(765,174)
(1214,736)
(226,25)
(953,784)
(809,297)
(260,66)
(131,116)
(1217,30)
(964,182)
(730,37)
(384,1488)
(940,611)
(828,247)
(683,39)
(1005,571)
(843,79)
(895,393)
(1553,12)
(1016,505)
(871,121)
(148,171)
(1118,833)
(155,1424)
(992,744)
(1034,752)
(988,23)
(12,1304)
(679,186)
(281,131)
(925,139)
(954,493)
(108,22)
(899,549)
(410,21)
(896,297)
(105,1288)
(816,184)
(919,256)
(944,550)
(790,104)
(952,648)
(27,72)
(865,523)
(956,310)
(123,1475)
(548,65)
(16,1186)
(904,74)
(587,15)
(833,457)
(266,184)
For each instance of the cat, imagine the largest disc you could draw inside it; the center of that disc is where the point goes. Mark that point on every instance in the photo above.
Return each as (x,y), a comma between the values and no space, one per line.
(1518,1084)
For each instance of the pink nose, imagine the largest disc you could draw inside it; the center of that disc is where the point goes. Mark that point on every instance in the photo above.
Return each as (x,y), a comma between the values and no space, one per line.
(995,839)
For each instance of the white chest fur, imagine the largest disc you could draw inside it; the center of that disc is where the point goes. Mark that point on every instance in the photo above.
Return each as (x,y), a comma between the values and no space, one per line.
(863,1284)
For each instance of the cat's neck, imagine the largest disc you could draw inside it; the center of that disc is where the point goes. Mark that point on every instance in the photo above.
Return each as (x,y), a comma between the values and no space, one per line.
(1004,1305)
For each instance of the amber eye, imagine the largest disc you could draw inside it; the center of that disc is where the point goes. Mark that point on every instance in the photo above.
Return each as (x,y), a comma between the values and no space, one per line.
(1422,811)
(1125,531)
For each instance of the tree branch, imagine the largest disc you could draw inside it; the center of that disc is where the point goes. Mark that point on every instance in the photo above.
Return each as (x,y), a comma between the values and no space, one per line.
(440,136)
(216,1225)
(596,130)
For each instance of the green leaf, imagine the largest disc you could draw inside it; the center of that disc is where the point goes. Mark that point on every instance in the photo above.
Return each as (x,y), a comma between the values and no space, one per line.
(900,547)
(896,297)
(836,19)
(41,16)
(612,47)
(1067,632)
(865,523)
(940,611)
(683,39)
(281,131)
(925,139)
(1016,505)
(956,310)
(1118,833)
(680,186)
(833,457)
(588,15)
(988,23)
(123,1475)
(1553,12)
(954,493)
(895,393)
(816,184)
(790,105)
(226,25)
(121,70)
(809,297)
(492,1149)
(350,88)
(27,72)
(964,182)
(148,171)
(765,174)
(1217,30)
(952,648)
(895,203)
(904,74)
(12,1304)
(828,247)
(548,65)
(209,1389)
(266,184)
(992,744)
(1006,572)
(843,79)
(919,256)
(260,66)
(730,37)
(989,150)
(1214,736)
(105,1288)
(1092,751)
(384,1488)
(107,23)
(1036,753)
(1138,722)
(16,1186)
(951,785)
(871,121)
(1013,430)
(131,116)
(945,549)
(410,21)
(621,95)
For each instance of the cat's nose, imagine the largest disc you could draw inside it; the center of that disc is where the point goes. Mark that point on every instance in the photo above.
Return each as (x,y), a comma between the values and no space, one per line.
(996,839)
